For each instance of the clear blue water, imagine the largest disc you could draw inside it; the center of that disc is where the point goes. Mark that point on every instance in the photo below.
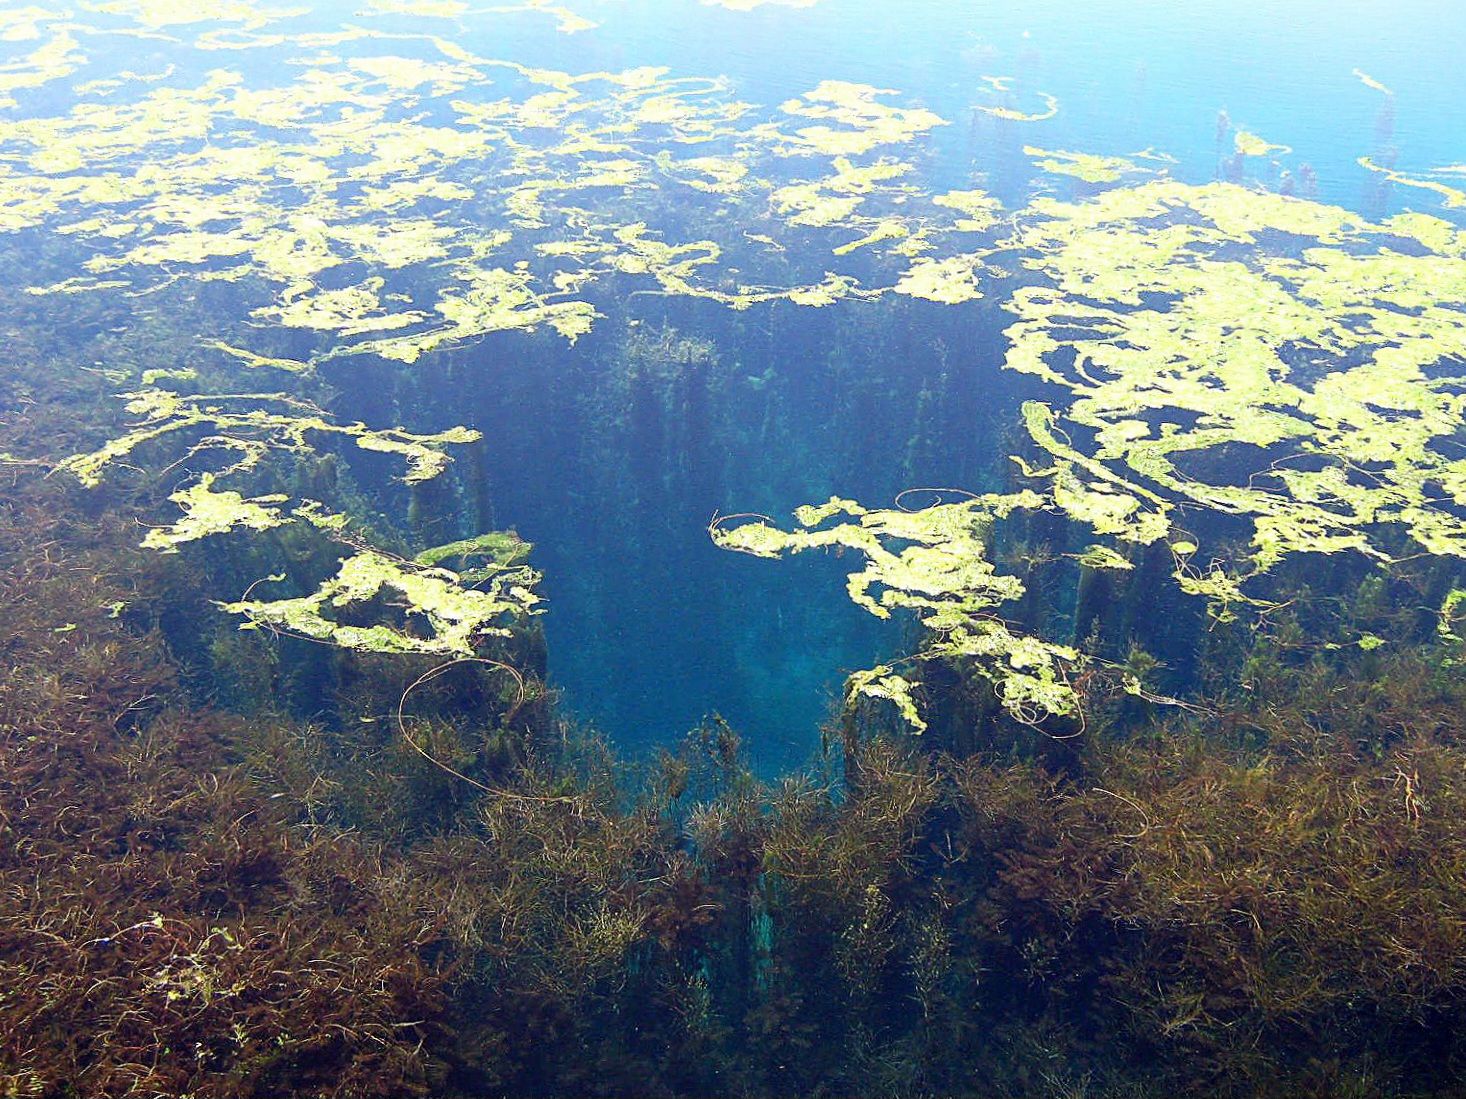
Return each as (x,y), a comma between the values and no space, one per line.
(1129,74)
(650,628)
(646,646)
(1171,807)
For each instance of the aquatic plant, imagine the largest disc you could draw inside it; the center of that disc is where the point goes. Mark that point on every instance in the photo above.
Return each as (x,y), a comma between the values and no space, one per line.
(439,885)
(458,617)
(1256,898)
(933,561)
(1003,85)
(247,427)
(1187,324)
(243,430)
(376,233)
(1212,319)
(1087,167)
(167,927)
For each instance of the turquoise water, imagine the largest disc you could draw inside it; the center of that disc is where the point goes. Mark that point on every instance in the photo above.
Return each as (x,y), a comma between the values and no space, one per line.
(646,641)
(615,475)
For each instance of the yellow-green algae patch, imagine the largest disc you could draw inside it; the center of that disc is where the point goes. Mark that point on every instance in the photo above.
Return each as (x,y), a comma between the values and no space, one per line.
(1370,82)
(934,562)
(1013,114)
(1087,167)
(950,281)
(440,615)
(23,24)
(854,120)
(207,511)
(501,192)
(1249,144)
(417,195)
(1191,321)
(979,210)
(882,682)
(1181,324)
(250,425)
(428,9)
(156,14)
(833,199)
(1452,197)
(428,609)
(52,60)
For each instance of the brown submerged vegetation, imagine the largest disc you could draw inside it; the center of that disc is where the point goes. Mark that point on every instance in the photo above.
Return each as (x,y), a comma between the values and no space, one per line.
(167,927)
(1264,900)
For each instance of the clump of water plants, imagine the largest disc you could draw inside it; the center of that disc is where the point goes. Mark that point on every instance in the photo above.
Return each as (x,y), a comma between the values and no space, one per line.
(934,561)
(168,928)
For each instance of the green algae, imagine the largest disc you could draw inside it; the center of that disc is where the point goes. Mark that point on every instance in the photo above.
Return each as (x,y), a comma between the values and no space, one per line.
(1201,364)
(333,141)
(1103,557)
(1370,82)
(854,120)
(932,561)
(208,512)
(1451,609)
(950,281)
(980,210)
(286,183)
(1171,314)
(240,431)
(395,205)
(157,14)
(1086,167)
(248,426)
(881,682)
(501,547)
(1249,144)
(1451,197)
(51,61)
(1013,114)
(456,619)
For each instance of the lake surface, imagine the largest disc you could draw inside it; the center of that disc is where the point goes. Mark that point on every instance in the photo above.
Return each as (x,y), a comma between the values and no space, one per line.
(613,469)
